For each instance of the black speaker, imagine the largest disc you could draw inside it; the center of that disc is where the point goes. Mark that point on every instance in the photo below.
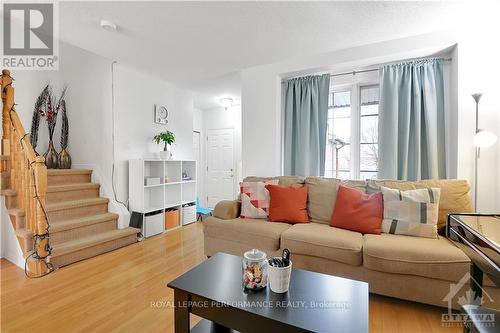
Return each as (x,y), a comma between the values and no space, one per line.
(136,220)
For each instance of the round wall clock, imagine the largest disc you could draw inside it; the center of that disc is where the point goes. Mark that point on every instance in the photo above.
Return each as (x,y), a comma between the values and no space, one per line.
(161,114)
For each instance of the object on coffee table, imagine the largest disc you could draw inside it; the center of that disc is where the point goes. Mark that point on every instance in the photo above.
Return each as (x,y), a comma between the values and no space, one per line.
(255,269)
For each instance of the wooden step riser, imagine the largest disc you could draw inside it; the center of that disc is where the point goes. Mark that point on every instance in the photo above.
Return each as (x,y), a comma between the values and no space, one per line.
(88,230)
(4,181)
(53,197)
(18,222)
(68,179)
(75,212)
(11,201)
(72,257)
(26,244)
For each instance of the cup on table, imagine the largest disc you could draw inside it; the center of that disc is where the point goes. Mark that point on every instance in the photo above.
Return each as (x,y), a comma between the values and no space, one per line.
(279,278)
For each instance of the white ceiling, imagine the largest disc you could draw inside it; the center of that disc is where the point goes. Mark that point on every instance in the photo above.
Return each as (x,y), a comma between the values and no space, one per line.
(203,45)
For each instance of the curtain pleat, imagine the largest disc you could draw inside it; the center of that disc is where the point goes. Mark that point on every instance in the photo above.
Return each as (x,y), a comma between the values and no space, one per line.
(411,125)
(305,112)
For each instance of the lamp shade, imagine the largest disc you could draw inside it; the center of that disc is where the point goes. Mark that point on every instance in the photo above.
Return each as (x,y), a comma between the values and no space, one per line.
(484,138)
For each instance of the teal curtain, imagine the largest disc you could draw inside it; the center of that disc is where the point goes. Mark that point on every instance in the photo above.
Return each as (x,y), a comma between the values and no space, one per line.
(305,112)
(411,123)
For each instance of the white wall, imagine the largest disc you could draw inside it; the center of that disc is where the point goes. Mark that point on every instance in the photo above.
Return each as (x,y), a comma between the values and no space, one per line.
(135,96)
(261,98)
(88,77)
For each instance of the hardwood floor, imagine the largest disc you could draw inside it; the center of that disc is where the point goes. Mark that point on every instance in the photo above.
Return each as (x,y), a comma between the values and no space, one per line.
(125,291)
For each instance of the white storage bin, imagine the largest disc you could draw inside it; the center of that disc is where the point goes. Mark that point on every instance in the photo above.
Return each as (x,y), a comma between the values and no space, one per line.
(188,214)
(153,223)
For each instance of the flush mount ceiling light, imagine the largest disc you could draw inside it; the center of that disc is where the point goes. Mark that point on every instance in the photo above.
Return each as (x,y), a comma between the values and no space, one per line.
(108,25)
(226,102)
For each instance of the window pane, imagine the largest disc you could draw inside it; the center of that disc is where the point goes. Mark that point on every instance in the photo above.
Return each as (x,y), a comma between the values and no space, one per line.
(342,98)
(330,99)
(369,95)
(369,109)
(344,158)
(342,129)
(343,175)
(368,157)
(369,129)
(342,112)
(368,175)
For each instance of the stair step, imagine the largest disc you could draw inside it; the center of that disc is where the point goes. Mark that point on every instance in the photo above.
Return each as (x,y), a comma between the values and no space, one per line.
(68,230)
(67,210)
(4,157)
(69,192)
(17,218)
(4,180)
(25,238)
(8,193)
(81,222)
(68,176)
(83,248)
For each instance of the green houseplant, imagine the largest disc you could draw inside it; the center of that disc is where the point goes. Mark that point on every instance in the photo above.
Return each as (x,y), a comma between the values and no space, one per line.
(168,138)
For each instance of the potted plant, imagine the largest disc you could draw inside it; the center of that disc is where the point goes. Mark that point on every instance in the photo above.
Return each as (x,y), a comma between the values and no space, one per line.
(168,138)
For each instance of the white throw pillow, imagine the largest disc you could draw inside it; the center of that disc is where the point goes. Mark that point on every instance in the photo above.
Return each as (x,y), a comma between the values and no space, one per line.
(255,199)
(412,213)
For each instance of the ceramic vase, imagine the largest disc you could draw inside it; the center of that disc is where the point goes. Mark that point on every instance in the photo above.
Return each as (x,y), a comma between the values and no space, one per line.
(64,159)
(51,156)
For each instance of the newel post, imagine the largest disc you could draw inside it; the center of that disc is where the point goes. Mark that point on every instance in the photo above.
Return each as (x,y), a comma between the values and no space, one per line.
(40,171)
(7,103)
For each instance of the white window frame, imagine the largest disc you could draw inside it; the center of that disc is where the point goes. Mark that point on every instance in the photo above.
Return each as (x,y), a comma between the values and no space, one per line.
(354,84)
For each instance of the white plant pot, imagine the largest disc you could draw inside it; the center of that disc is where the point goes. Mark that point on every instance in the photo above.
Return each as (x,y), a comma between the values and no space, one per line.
(165,155)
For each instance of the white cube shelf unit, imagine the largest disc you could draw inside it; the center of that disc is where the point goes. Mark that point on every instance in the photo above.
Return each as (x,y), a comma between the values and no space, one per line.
(158,185)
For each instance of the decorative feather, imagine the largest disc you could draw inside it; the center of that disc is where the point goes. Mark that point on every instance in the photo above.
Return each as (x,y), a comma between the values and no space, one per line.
(37,113)
(64,126)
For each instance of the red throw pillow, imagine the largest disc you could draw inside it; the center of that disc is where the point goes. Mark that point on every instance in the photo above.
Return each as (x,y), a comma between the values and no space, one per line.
(288,204)
(357,211)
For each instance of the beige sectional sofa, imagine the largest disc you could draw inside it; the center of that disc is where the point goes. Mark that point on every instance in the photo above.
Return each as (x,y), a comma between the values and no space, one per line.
(411,268)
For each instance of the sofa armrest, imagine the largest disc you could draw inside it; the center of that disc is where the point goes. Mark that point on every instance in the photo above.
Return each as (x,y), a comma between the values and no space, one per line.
(227,209)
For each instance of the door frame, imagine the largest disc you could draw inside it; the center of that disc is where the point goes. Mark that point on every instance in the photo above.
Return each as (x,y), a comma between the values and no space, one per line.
(235,178)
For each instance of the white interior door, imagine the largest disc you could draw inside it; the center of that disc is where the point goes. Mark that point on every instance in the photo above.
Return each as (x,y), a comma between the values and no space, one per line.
(220,166)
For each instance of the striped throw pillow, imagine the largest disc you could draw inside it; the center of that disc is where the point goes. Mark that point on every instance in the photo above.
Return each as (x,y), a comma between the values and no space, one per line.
(412,213)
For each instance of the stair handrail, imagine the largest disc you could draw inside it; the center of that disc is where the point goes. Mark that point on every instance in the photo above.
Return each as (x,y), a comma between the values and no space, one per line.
(28,177)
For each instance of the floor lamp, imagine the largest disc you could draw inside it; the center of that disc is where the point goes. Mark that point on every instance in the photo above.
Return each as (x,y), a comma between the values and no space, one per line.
(482,138)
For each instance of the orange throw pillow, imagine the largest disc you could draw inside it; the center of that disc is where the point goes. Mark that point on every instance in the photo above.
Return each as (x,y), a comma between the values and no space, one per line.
(288,204)
(357,211)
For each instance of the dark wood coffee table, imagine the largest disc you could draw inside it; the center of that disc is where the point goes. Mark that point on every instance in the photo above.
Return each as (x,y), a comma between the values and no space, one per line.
(314,303)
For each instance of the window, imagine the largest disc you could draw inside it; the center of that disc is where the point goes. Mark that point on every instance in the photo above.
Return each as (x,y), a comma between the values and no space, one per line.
(352,132)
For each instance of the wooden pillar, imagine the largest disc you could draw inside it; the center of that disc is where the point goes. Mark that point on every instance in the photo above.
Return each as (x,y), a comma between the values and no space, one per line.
(41,189)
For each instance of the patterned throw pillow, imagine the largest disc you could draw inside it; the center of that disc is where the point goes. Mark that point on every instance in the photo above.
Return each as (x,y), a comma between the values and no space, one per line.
(412,213)
(255,199)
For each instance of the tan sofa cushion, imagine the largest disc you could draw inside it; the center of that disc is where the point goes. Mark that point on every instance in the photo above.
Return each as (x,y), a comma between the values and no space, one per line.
(227,209)
(283,180)
(320,240)
(256,233)
(434,258)
(454,193)
(323,194)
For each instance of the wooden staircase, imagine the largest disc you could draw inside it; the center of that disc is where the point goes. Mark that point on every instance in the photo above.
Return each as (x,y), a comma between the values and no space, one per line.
(64,200)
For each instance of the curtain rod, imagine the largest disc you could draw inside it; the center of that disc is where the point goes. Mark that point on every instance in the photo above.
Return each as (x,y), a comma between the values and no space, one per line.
(355,72)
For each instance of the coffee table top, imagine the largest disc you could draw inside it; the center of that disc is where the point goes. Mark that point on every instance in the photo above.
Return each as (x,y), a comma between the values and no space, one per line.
(315,302)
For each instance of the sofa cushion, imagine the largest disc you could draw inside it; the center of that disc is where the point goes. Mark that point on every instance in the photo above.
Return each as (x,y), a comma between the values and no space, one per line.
(256,233)
(288,204)
(283,180)
(323,195)
(320,240)
(429,257)
(357,211)
(454,193)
